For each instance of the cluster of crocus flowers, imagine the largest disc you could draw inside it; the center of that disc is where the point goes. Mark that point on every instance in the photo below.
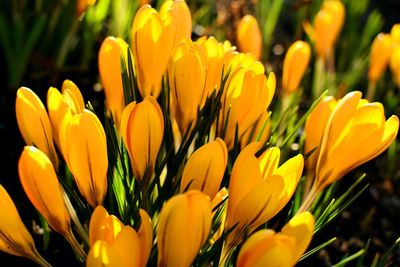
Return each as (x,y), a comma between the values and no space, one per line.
(351,127)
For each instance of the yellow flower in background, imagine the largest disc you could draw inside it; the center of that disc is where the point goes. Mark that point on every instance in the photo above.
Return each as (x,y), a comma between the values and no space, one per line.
(115,244)
(40,183)
(152,43)
(295,64)
(83,143)
(260,129)
(181,17)
(110,53)
(259,189)
(248,94)
(395,34)
(381,50)
(356,132)
(395,65)
(142,129)
(34,123)
(328,23)
(183,227)
(14,237)
(82,5)
(248,36)
(205,168)
(315,128)
(186,76)
(69,101)
(267,248)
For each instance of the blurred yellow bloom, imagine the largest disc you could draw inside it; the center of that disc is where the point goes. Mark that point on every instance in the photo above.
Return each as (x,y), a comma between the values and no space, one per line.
(395,34)
(328,23)
(142,129)
(248,36)
(205,168)
(14,237)
(186,76)
(110,53)
(248,94)
(258,189)
(82,5)
(83,143)
(267,248)
(358,132)
(181,17)
(315,128)
(381,50)
(69,101)
(183,227)
(152,42)
(261,129)
(395,65)
(115,244)
(294,65)
(34,123)
(41,185)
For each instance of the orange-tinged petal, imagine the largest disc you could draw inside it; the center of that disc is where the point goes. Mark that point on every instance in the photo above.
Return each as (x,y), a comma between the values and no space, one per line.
(40,184)
(96,221)
(379,57)
(103,254)
(127,245)
(395,65)
(73,96)
(182,19)
(57,109)
(145,234)
(248,36)
(109,229)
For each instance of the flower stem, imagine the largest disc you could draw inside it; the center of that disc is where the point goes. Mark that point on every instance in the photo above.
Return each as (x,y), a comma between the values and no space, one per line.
(75,245)
(40,260)
(309,199)
(371,91)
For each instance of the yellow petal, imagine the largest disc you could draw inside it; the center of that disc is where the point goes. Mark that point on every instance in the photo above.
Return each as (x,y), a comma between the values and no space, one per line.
(73,96)
(269,161)
(127,245)
(102,254)
(145,234)
(57,109)
(96,221)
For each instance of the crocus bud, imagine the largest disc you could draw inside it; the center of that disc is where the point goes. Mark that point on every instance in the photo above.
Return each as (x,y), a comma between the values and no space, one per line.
(110,56)
(379,58)
(83,143)
(152,42)
(186,76)
(181,17)
(114,244)
(205,168)
(395,65)
(41,185)
(259,189)
(34,123)
(248,94)
(14,237)
(183,227)
(294,65)
(315,128)
(267,248)
(248,36)
(142,129)
(59,104)
(355,133)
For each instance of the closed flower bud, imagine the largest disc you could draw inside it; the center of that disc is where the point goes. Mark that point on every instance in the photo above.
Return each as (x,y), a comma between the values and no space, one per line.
(34,123)
(142,129)
(259,189)
(152,42)
(267,248)
(395,65)
(14,237)
(83,143)
(381,50)
(248,36)
(205,168)
(40,184)
(186,76)
(248,94)
(181,17)
(355,133)
(110,56)
(183,227)
(294,65)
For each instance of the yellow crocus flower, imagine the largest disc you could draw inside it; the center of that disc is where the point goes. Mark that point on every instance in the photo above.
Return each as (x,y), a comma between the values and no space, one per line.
(152,42)
(259,189)
(115,244)
(381,50)
(110,53)
(181,17)
(248,36)
(268,248)
(205,168)
(395,65)
(83,143)
(34,123)
(142,129)
(294,66)
(14,237)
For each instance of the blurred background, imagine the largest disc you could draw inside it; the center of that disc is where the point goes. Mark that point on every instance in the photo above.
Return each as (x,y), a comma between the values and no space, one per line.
(44,42)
